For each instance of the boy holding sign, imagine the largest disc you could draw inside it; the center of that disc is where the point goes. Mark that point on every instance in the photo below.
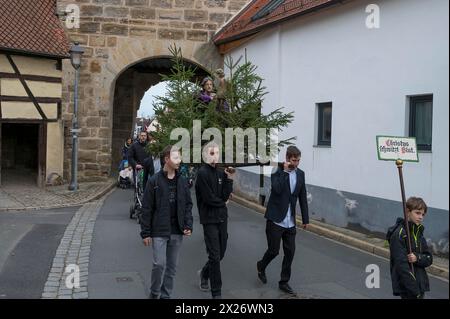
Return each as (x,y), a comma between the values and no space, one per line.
(410,282)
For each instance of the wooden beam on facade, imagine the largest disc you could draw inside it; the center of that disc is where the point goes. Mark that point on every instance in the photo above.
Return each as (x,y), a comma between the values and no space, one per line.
(25,86)
(26,121)
(30,77)
(8,98)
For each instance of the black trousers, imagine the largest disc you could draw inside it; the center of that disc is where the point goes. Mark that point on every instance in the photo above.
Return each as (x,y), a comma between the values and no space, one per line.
(275,234)
(216,237)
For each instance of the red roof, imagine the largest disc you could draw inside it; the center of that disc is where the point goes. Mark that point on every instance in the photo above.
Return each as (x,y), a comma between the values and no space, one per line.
(31,26)
(247,22)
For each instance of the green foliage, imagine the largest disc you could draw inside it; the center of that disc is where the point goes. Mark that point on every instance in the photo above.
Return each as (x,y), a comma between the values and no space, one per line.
(244,94)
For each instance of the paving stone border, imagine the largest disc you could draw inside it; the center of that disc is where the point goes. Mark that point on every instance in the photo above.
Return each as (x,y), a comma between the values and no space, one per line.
(74,249)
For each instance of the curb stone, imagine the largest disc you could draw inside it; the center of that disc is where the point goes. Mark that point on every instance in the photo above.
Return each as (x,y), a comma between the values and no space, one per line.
(70,251)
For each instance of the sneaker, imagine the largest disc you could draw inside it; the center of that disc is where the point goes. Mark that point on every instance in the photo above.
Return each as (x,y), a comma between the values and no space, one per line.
(204,283)
(153,296)
(286,288)
(261,273)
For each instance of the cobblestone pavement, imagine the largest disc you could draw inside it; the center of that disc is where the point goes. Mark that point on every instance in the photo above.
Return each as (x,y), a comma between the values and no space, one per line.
(18,197)
(73,250)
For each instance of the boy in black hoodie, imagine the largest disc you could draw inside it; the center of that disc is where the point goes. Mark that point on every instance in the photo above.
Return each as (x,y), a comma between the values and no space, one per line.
(406,283)
(213,189)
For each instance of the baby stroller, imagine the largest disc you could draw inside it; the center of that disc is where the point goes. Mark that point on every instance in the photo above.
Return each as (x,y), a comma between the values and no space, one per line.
(136,206)
(125,179)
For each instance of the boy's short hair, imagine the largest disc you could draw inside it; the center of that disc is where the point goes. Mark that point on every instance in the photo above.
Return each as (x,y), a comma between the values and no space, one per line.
(293,151)
(169,149)
(416,203)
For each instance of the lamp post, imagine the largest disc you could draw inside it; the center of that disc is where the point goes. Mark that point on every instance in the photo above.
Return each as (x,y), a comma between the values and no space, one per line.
(76,51)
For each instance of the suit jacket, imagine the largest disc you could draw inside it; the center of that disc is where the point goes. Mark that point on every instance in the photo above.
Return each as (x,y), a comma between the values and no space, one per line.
(281,196)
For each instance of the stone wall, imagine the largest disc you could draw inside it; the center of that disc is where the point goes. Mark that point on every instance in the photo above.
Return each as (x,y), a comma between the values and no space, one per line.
(117,34)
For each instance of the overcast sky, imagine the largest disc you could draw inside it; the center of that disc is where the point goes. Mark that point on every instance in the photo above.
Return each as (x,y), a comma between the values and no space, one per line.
(146,108)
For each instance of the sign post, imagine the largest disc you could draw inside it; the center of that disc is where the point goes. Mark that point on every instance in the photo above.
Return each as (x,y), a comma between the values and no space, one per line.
(399,149)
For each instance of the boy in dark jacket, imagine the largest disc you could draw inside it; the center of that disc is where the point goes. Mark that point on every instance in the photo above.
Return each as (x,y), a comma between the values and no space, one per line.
(288,187)
(166,217)
(213,189)
(406,283)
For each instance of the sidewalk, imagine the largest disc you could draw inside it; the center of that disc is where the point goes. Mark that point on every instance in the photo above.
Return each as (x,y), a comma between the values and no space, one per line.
(358,240)
(24,197)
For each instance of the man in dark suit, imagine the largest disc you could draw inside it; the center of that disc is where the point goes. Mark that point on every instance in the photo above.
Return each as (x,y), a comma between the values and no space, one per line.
(288,185)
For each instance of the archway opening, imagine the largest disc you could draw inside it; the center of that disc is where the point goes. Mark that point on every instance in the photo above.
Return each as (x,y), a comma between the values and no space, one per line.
(129,90)
(146,113)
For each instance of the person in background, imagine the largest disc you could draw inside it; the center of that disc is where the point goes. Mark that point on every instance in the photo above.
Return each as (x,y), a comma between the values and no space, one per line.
(139,158)
(207,92)
(137,153)
(125,149)
(158,161)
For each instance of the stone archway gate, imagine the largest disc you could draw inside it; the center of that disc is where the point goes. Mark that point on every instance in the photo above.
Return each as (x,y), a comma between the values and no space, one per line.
(117,34)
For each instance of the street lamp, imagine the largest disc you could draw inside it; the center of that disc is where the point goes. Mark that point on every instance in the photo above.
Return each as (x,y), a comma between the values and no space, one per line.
(76,51)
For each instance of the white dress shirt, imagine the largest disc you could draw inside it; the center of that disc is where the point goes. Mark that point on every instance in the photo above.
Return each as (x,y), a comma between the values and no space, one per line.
(288,222)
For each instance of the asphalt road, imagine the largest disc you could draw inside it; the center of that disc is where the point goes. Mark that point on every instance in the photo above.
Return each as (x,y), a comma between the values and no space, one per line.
(28,243)
(120,266)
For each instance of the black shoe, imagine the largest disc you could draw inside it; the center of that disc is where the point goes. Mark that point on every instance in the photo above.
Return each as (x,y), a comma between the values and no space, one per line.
(261,273)
(153,296)
(204,283)
(286,288)
(217,297)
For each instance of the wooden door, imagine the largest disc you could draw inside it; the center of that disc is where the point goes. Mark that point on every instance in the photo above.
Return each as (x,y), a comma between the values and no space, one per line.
(42,155)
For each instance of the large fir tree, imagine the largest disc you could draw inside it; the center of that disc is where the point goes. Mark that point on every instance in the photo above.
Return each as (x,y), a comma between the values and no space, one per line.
(244,94)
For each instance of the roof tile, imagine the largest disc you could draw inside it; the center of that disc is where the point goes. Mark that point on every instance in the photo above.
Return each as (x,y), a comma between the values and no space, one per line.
(32,26)
(243,25)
